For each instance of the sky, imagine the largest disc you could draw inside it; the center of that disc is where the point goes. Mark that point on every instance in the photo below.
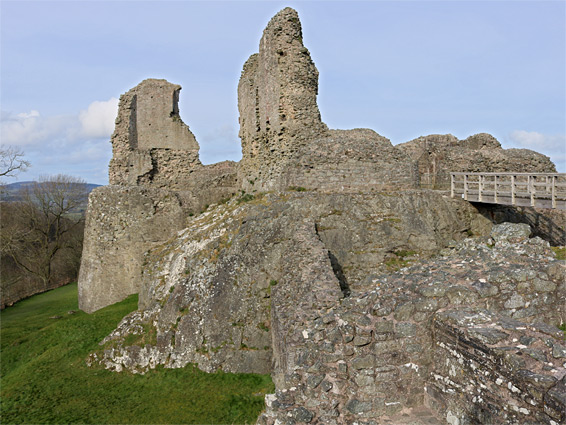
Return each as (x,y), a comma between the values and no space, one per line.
(402,68)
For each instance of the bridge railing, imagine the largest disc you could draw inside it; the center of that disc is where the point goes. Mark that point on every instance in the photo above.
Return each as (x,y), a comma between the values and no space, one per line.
(545,190)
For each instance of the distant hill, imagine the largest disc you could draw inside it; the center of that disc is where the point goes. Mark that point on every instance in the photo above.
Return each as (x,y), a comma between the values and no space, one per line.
(11,192)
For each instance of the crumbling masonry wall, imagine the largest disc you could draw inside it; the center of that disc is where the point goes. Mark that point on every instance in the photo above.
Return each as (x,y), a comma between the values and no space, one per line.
(284,141)
(437,155)
(151,145)
(156,182)
(277,100)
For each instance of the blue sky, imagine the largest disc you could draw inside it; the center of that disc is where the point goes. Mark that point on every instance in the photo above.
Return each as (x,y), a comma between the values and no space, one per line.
(402,68)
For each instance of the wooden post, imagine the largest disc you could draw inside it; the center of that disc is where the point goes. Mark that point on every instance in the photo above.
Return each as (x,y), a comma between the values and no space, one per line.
(495,189)
(512,190)
(451,185)
(466,187)
(553,196)
(532,181)
(480,187)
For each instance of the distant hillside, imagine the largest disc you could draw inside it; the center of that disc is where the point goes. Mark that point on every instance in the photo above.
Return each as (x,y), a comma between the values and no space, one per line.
(11,192)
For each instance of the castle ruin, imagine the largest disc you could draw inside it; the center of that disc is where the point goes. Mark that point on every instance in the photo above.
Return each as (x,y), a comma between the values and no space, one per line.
(323,262)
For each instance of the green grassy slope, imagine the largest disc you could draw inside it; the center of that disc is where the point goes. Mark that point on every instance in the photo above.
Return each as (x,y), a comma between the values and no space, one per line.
(45,378)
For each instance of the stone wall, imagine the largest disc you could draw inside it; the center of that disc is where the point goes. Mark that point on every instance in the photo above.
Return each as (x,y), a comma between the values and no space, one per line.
(284,141)
(151,145)
(358,160)
(491,369)
(122,223)
(437,155)
(384,354)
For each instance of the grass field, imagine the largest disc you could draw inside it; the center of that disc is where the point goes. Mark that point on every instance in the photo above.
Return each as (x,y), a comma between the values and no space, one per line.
(45,378)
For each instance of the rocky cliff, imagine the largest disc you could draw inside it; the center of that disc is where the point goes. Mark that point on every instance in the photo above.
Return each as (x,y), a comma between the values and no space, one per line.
(317,259)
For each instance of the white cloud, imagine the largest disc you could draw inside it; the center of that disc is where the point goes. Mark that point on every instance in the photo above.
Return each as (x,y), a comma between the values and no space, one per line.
(69,144)
(553,145)
(29,128)
(538,141)
(98,119)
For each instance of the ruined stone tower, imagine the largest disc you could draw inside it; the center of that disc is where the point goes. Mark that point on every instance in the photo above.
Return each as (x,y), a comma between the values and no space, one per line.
(151,145)
(277,99)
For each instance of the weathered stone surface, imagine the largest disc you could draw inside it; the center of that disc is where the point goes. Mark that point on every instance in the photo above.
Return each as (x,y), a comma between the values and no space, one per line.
(475,358)
(218,247)
(277,100)
(507,232)
(122,223)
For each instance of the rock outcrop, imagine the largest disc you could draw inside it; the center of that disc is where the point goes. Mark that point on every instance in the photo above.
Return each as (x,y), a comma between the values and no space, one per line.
(217,286)
(439,154)
(359,292)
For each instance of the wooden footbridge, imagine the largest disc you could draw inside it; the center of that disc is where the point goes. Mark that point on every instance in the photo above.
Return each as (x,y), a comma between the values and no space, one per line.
(541,190)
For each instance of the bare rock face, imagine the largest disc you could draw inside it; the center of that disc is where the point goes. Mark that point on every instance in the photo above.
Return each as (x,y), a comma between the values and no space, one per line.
(439,154)
(151,145)
(224,292)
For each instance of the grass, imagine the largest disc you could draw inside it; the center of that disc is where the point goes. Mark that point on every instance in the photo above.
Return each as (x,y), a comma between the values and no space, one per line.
(45,378)
(560,252)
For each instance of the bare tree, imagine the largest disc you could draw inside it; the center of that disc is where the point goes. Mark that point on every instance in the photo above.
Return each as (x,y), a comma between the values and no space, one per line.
(44,226)
(12,161)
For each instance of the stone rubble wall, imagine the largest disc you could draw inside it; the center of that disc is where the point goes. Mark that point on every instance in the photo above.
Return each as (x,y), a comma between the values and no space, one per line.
(371,358)
(491,369)
(358,160)
(437,155)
